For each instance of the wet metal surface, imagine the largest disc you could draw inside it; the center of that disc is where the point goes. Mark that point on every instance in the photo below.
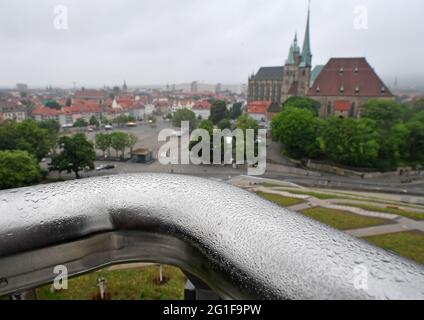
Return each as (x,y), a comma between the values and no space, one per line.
(237,243)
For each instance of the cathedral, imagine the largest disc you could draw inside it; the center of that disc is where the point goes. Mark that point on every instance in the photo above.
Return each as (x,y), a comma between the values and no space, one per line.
(277,84)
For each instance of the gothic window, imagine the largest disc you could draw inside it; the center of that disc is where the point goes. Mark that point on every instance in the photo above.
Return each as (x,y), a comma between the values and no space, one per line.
(329,109)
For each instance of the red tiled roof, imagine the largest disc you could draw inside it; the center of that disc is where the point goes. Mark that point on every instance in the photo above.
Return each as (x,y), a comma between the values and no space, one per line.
(260,107)
(44,111)
(125,103)
(354,75)
(82,108)
(97,94)
(202,105)
(342,105)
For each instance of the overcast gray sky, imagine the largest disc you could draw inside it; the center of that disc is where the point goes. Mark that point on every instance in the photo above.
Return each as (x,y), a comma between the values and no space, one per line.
(174,41)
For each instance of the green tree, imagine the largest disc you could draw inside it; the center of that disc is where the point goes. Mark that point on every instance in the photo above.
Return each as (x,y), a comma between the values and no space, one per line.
(52,104)
(302,103)
(131,141)
(122,119)
(415,141)
(18,169)
(298,131)
(385,113)
(224,124)
(185,115)
(76,154)
(25,136)
(219,111)
(208,126)
(94,122)
(103,142)
(53,129)
(68,102)
(119,142)
(236,110)
(418,117)
(245,122)
(81,123)
(351,142)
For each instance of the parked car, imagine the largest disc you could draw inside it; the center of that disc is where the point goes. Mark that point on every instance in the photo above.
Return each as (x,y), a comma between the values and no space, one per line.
(105,167)
(108,127)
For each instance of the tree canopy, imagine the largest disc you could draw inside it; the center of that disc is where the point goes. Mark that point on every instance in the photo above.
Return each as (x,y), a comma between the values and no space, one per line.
(351,142)
(18,169)
(119,142)
(387,135)
(52,104)
(219,111)
(185,115)
(302,103)
(224,124)
(76,154)
(236,110)
(298,131)
(385,113)
(103,142)
(25,136)
(81,123)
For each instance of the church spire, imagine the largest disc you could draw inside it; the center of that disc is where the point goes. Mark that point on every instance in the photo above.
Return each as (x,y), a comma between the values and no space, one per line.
(294,51)
(306,52)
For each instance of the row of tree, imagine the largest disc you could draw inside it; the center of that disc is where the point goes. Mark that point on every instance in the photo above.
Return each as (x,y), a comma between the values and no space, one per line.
(386,136)
(119,141)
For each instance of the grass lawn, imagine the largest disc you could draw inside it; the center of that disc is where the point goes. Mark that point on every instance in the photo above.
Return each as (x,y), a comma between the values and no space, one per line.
(131,284)
(342,220)
(408,214)
(271,185)
(408,244)
(280,200)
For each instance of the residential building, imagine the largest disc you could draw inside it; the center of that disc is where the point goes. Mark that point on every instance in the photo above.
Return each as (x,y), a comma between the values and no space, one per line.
(202,109)
(258,110)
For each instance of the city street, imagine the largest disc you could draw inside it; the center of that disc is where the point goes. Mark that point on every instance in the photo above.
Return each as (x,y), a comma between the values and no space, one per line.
(148,138)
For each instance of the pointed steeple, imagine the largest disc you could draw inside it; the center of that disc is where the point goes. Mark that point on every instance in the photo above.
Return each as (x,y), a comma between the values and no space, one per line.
(306,52)
(294,49)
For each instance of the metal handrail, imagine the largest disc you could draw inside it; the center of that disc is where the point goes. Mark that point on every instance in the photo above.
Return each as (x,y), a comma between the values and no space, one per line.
(241,246)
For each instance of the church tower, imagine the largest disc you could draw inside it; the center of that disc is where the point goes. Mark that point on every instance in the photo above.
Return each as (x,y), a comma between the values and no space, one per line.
(305,67)
(297,70)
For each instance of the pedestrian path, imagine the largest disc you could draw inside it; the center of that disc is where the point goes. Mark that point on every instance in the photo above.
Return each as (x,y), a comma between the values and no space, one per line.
(400,224)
